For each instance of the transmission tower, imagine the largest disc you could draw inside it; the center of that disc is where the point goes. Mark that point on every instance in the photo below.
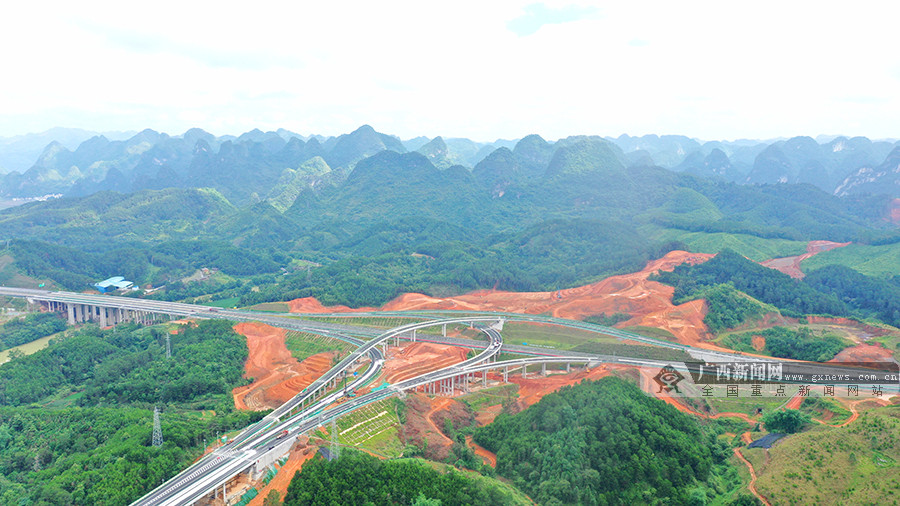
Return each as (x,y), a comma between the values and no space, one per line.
(335,449)
(157,428)
(168,347)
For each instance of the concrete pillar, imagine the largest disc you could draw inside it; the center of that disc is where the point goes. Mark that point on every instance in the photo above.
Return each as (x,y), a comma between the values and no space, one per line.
(71,310)
(102,316)
(568,367)
(79,316)
(444,330)
(484,377)
(506,374)
(414,335)
(544,369)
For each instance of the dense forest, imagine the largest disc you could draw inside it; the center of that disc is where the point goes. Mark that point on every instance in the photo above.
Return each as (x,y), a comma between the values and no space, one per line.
(76,417)
(605,442)
(782,342)
(359,478)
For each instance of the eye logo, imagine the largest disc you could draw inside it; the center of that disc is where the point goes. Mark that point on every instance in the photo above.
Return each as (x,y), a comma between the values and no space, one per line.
(668,379)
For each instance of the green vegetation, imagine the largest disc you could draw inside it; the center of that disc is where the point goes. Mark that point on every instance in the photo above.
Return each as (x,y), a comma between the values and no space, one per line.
(358,478)
(787,421)
(605,442)
(879,261)
(374,428)
(633,350)
(557,336)
(767,285)
(855,464)
(128,365)
(608,321)
(818,406)
(832,290)
(868,296)
(783,342)
(753,247)
(493,396)
(729,308)
(303,345)
(99,452)
(29,328)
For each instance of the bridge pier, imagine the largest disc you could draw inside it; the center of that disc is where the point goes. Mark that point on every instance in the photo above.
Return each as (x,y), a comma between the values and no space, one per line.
(444,330)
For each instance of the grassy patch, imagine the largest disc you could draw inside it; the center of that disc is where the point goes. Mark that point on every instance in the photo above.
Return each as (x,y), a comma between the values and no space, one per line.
(754,248)
(303,345)
(829,465)
(490,396)
(555,336)
(374,427)
(877,261)
(225,303)
(28,348)
(654,332)
(272,307)
(817,407)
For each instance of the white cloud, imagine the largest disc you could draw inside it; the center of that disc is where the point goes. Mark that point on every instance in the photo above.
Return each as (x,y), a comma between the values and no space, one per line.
(706,69)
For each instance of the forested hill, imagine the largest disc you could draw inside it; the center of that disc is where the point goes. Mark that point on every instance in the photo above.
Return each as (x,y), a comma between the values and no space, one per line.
(352,220)
(604,442)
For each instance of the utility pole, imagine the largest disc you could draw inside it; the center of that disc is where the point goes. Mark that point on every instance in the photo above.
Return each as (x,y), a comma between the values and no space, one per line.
(157,428)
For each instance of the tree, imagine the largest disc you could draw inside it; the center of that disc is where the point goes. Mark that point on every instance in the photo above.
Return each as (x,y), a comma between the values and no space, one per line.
(787,421)
(273,498)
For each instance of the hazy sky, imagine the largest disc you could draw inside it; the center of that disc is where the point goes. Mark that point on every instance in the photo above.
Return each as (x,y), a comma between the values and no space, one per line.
(483,70)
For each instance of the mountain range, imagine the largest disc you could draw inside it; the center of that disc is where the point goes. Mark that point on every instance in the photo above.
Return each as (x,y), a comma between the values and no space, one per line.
(256,164)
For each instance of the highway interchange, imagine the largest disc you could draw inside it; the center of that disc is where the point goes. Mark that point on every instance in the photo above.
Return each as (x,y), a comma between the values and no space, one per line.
(310,408)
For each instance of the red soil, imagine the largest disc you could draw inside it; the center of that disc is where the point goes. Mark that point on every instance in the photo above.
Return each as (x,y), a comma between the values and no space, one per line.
(759,342)
(795,402)
(895,211)
(277,375)
(648,302)
(864,353)
(532,389)
(489,457)
(487,414)
(311,305)
(414,359)
(791,265)
(421,426)
(296,459)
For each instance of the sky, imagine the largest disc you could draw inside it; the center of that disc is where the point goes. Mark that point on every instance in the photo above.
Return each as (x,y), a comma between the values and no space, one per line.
(482,70)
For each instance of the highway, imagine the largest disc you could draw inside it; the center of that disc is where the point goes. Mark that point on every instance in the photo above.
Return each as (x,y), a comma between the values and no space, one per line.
(310,408)
(242,452)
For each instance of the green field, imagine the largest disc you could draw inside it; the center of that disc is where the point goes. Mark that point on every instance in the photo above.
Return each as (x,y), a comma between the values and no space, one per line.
(225,303)
(555,336)
(654,332)
(272,307)
(374,427)
(303,345)
(754,248)
(877,261)
(27,348)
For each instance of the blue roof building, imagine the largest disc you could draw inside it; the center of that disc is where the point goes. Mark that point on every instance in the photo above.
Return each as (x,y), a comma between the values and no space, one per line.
(112,284)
